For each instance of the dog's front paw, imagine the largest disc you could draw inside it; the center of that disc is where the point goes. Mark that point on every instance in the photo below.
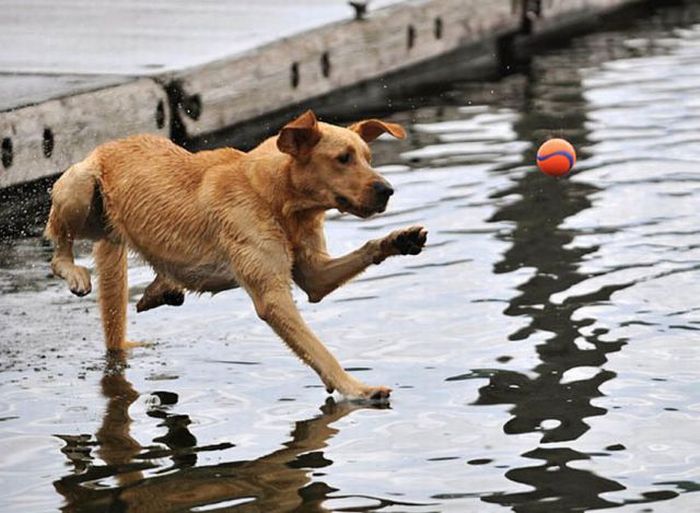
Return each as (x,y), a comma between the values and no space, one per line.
(377,393)
(369,393)
(407,241)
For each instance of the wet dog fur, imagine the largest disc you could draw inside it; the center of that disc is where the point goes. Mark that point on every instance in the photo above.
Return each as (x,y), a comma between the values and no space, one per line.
(214,220)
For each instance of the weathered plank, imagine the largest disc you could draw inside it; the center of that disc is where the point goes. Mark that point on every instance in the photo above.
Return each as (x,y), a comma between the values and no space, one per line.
(295,69)
(44,139)
(21,90)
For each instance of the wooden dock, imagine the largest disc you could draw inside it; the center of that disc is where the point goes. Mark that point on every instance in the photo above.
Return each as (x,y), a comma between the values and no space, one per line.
(78,74)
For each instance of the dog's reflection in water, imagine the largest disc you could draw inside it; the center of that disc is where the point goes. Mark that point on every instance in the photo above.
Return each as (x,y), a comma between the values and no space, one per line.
(133,477)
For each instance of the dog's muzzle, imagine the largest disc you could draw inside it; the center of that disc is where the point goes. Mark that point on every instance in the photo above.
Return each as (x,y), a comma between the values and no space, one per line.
(377,199)
(382,193)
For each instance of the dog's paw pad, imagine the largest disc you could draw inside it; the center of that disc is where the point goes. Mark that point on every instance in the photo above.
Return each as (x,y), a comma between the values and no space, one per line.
(174,298)
(149,301)
(410,241)
(81,291)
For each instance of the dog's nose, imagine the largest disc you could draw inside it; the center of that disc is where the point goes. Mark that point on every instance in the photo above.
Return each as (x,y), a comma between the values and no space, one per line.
(382,189)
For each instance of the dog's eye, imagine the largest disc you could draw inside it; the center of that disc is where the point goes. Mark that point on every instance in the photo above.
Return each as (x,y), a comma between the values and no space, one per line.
(344,158)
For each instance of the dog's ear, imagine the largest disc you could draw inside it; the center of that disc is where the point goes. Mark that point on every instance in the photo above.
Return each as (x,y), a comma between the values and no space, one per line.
(297,138)
(370,129)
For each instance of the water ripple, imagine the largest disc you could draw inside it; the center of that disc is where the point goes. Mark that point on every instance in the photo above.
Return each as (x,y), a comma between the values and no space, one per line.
(542,350)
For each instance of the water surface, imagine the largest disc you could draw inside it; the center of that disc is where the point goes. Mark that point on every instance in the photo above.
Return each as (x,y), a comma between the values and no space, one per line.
(543,349)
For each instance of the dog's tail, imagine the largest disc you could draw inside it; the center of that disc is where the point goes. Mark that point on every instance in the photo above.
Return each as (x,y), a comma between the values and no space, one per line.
(50,232)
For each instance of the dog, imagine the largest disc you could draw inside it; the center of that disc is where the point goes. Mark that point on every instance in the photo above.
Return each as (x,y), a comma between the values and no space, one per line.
(218,219)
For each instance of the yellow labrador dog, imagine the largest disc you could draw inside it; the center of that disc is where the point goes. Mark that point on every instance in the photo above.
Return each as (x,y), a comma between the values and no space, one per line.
(215,220)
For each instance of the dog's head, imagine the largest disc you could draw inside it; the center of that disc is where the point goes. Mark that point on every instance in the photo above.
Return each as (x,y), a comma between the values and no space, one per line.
(332,164)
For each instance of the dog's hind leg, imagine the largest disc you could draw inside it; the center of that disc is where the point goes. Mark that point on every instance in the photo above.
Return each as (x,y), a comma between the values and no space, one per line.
(160,292)
(110,258)
(63,266)
(69,219)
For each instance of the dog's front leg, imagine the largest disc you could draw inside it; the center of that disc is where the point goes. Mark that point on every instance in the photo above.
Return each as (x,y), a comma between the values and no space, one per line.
(319,275)
(274,304)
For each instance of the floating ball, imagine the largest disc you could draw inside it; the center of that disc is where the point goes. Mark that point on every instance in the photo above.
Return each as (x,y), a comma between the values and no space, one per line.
(556,157)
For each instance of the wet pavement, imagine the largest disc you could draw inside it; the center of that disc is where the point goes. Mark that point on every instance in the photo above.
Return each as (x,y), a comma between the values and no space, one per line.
(543,349)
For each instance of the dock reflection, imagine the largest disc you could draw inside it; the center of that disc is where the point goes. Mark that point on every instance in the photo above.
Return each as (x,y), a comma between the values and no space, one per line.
(539,242)
(546,400)
(556,486)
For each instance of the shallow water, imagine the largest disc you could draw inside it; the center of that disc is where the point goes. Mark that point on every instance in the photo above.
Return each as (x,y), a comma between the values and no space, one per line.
(543,349)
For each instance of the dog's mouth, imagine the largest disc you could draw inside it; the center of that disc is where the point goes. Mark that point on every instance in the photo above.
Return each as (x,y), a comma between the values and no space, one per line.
(345,205)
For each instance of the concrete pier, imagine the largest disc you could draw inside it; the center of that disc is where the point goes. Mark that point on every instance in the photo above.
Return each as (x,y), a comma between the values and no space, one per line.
(80,73)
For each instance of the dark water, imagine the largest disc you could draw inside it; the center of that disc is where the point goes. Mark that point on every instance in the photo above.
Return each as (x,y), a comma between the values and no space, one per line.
(544,350)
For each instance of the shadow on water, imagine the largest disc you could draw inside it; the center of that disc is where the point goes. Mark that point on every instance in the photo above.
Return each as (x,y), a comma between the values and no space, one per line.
(133,477)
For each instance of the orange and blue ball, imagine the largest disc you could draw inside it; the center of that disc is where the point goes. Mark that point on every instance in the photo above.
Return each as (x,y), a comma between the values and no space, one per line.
(556,157)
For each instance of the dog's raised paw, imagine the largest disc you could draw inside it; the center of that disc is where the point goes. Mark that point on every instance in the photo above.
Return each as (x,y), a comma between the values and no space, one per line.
(409,241)
(79,281)
(174,298)
(169,297)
